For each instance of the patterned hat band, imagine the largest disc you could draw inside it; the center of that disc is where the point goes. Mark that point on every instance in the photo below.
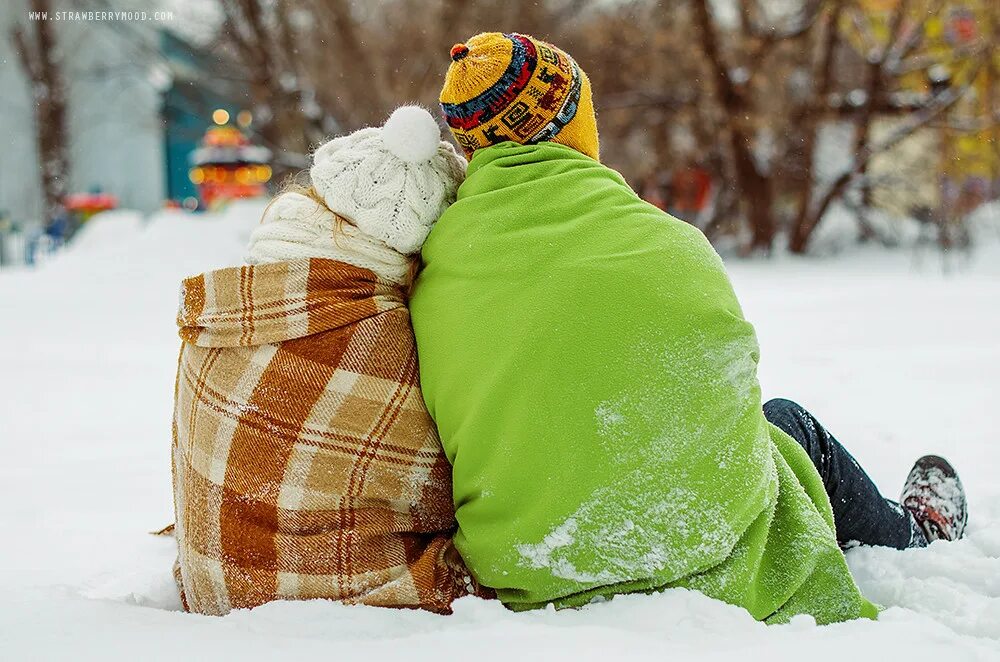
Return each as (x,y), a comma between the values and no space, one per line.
(566,113)
(536,96)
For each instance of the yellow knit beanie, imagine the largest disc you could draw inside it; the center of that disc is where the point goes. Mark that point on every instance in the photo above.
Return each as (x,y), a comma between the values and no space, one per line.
(515,87)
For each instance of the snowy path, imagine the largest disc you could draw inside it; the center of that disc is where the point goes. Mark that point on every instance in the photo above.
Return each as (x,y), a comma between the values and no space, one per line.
(896,362)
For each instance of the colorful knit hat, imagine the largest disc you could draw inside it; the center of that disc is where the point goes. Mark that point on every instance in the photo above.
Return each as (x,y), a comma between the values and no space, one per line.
(514,87)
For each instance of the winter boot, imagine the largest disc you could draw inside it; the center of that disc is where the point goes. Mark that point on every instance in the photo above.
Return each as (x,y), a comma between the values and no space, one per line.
(935,497)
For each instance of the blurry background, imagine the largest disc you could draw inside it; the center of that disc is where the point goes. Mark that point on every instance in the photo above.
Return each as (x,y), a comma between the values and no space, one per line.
(770,124)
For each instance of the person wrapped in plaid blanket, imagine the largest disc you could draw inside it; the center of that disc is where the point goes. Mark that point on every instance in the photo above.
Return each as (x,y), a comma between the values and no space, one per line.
(305,463)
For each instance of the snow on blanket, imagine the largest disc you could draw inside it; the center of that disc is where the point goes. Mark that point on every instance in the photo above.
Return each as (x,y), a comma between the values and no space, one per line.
(896,358)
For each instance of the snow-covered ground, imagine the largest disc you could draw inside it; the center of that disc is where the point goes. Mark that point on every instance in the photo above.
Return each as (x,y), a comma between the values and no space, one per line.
(894,356)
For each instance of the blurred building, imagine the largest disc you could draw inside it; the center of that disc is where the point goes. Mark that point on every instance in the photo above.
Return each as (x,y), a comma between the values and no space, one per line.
(139,99)
(114,89)
(198,87)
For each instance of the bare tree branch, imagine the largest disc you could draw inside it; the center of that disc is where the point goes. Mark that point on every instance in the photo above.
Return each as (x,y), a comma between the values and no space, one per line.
(941,104)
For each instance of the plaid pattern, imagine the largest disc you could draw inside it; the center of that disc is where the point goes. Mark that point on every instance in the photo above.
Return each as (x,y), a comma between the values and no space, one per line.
(305,462)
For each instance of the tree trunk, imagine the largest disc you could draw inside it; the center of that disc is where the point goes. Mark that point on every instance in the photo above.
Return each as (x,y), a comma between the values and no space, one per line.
(758,196)
(799,238)
(36,50)
(862,151)
(753,185)
(810,119)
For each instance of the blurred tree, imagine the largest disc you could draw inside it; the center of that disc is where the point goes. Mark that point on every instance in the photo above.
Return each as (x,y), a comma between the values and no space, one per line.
(40,58)
(316,67)
(733,87)
(286,117)
(738,91)
(908,74)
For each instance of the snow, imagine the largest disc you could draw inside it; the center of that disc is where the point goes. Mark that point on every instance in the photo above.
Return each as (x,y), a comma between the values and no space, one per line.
(627,549)
(897,356)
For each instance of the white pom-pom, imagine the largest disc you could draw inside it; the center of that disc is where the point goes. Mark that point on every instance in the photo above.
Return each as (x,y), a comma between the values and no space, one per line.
(411,134)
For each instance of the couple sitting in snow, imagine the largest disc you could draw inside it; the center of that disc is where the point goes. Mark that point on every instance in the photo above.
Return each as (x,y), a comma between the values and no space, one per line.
(585,418)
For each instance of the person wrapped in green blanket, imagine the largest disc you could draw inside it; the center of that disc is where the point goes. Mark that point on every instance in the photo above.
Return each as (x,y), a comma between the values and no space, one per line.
(592,375)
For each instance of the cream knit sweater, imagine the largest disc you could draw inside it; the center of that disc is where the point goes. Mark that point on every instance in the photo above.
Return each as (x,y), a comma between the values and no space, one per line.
(296,226)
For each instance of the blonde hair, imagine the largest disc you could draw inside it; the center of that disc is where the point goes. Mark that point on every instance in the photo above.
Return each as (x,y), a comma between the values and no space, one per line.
(295,184)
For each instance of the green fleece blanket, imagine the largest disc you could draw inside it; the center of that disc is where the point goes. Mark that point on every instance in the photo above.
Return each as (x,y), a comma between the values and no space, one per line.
(594,383)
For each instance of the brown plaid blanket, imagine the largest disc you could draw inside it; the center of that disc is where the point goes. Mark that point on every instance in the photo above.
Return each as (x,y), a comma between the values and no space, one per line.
(305,463)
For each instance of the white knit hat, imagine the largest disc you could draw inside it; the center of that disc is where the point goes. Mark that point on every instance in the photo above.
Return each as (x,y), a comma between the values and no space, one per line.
(392,183)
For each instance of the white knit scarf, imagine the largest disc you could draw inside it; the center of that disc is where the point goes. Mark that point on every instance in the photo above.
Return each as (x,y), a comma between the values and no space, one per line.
(296,226)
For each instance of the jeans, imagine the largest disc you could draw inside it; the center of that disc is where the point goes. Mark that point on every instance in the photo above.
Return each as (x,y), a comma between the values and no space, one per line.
(861,514)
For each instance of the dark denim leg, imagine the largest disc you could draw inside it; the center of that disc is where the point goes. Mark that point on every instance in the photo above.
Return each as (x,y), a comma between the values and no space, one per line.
(860,512)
